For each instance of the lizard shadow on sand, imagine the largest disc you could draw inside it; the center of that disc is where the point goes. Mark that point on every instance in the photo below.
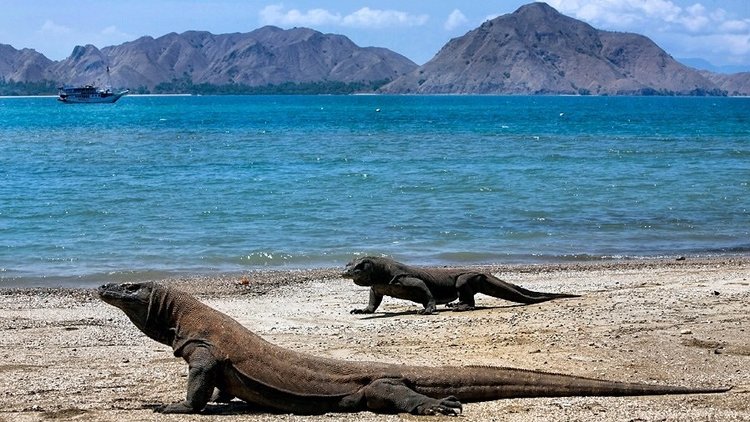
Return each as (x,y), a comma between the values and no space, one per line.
(234,407)
(381,315)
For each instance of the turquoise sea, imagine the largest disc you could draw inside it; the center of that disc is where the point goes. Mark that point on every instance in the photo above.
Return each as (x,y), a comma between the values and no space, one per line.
(160,186)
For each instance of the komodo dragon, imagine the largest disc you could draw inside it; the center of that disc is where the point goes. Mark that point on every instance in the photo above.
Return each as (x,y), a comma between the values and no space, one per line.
(432,286)
(223,354)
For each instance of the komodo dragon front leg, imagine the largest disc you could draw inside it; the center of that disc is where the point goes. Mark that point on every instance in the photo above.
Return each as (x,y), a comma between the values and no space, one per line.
(203,368)
(375,300)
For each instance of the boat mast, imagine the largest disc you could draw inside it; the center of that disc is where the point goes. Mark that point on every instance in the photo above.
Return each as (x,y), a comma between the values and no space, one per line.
(109,78)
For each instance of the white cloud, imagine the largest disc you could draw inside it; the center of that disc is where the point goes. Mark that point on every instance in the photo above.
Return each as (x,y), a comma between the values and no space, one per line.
(694,18)
(739,45)
(696,29)
(635,14)
(735,26)
(363,18)
(51,28)
(276,15)
(366,17)
(618,13)
(56,40)
(111,30)
(111,35)
(455,19)
(59,40)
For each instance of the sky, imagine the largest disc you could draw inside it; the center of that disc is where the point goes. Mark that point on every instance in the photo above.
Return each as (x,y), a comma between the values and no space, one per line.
(716,31)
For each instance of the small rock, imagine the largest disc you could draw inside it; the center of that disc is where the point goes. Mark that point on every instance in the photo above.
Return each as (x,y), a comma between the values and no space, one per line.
(685,332)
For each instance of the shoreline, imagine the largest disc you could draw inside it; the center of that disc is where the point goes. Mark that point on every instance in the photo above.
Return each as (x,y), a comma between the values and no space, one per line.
(69,356)
(305,273)
(123,276)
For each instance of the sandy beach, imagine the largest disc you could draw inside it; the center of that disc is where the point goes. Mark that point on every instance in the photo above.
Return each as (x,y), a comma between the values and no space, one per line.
(66,355)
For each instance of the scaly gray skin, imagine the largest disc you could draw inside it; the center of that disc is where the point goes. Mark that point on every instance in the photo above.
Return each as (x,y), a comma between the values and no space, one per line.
(433,286)
(223,354)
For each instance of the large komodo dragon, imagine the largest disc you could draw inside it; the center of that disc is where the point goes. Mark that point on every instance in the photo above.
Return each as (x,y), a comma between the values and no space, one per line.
(433,286)
(223,354)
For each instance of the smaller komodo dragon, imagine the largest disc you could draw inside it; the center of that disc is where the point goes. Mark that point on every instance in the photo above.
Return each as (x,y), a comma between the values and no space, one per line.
(433,286)
(223,354)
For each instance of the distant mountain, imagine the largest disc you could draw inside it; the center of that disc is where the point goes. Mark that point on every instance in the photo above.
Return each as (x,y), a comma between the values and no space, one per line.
(537,50)
(702,64)
(23,65)
(268,55)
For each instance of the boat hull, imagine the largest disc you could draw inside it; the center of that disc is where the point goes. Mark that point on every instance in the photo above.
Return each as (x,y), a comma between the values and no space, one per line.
(92,99)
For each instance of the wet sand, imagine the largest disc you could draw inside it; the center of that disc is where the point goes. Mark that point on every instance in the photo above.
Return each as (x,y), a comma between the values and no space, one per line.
(66,355)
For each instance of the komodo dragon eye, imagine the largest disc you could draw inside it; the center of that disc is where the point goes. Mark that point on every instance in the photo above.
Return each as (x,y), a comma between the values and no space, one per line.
(137,290)
(364,266)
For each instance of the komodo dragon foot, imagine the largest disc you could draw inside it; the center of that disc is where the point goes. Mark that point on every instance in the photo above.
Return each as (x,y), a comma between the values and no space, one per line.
(460,306)
(180,408)
(448,406)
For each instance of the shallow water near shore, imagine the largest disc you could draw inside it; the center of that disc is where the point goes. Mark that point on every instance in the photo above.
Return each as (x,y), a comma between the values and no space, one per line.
(156,186)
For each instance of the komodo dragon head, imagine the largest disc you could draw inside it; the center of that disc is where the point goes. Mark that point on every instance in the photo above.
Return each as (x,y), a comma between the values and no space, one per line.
(369,270)
(148,305)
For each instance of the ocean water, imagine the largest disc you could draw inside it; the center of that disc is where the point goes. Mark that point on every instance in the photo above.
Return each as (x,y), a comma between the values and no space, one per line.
(159,186)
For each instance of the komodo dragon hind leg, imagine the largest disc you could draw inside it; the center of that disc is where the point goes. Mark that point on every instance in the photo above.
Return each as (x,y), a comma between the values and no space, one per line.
(219,396)
(466,285)
(393,395)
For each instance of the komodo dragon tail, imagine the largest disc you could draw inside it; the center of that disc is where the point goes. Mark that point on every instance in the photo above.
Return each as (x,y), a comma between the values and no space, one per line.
(478,383)
(514,293)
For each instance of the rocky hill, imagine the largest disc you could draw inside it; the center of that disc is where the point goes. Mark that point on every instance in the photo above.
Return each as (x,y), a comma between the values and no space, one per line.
(733,84)
(23,65)
(537,50)
(268,55)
